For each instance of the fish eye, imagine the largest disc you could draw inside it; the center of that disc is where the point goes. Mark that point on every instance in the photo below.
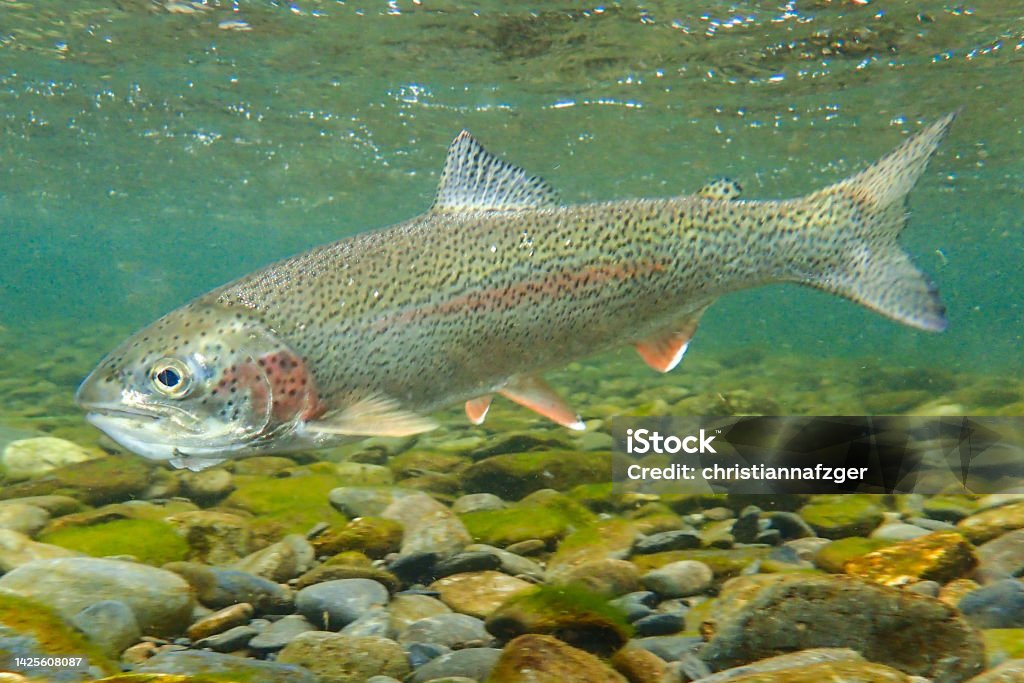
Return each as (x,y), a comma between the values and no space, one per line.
(171,377)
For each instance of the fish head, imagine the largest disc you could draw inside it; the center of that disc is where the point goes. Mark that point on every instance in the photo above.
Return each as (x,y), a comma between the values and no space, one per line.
(201,384)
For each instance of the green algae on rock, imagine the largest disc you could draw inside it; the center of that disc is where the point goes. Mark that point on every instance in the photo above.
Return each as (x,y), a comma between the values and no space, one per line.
(374,536)
(837,516)
(834,556)
(514,475)
(29,629)
(547,516)
(110,479)
(478,594)
(1002,644)
(149,541)
(285,505)
(571,613)
(536,658)
(940,556)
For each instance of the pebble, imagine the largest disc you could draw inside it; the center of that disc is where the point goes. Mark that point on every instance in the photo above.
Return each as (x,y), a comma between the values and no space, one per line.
(345,659)
(430,527)
(530,546)
(636,605)
(790,525)
(374,622)
(30,458)
(109,624)
(281,632)
(334,604)
(214,537)
(207,486)
(929,588)
(670,648)
(511,563)
(1002,557)
(748,525)
(23,518)
(281,561)
(475,663)
(220,621)
(452,630)
(659,625)
(406,609)
(218,588)
(997,605)
(161,600)
(467,561)
(414,567)
(679,579)
(17,549)
(478,593)
(681,539)
(421,653)
(229,641)
(477,502)
(607,576)
(364,501)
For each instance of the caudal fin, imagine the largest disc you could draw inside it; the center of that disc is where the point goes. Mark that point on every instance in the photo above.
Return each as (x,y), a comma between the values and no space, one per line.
(860,219)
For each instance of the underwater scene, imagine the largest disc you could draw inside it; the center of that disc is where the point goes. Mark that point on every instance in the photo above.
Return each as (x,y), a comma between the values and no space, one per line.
(302,475)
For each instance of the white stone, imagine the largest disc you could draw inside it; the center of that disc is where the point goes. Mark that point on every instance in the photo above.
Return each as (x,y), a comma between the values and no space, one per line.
(28,458)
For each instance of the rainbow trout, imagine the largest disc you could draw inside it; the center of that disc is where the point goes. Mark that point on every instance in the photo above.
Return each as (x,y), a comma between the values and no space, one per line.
(496,283)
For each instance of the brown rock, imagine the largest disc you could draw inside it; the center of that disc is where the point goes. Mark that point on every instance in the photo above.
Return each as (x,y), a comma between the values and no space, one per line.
(138,653)
(941,556)
(1011,671)
(214,537)
(543,659)
(913,633)
(220,621)
(639,665)
(608,576)
(478,593)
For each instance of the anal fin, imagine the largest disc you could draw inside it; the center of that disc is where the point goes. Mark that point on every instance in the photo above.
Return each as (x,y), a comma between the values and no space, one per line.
(373,416)
(664,350)
(535,394)
(476,408)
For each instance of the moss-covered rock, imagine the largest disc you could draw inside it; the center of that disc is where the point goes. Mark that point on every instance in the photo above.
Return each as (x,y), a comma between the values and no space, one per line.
(31,629)
(834,556)
(149,541)
(725,564)
(1002,644)
(286,505)
(534,658)
(941,556)
(514,475)
(950,508)
(94,482)
(838,516)
(415,462)
(571,613)
(541,516)
(590,543)
(987,524)
(478,594)
(374,536)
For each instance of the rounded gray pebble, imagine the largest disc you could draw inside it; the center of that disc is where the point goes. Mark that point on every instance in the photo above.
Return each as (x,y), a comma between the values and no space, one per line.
(679,579)
(452,630)
(335,604)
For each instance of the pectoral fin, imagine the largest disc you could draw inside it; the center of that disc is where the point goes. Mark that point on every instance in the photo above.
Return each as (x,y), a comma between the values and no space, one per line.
(373,416)
(664,350)
(535,394)
(476,408)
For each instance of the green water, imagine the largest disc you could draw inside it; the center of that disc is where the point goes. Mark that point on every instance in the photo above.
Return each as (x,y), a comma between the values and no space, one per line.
(151,151)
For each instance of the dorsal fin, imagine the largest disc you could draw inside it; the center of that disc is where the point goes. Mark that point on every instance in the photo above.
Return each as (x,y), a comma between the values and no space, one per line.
(721,188)
(473,178)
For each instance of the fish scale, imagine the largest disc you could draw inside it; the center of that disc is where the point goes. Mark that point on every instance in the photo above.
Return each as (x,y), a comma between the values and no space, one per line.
(494,285)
